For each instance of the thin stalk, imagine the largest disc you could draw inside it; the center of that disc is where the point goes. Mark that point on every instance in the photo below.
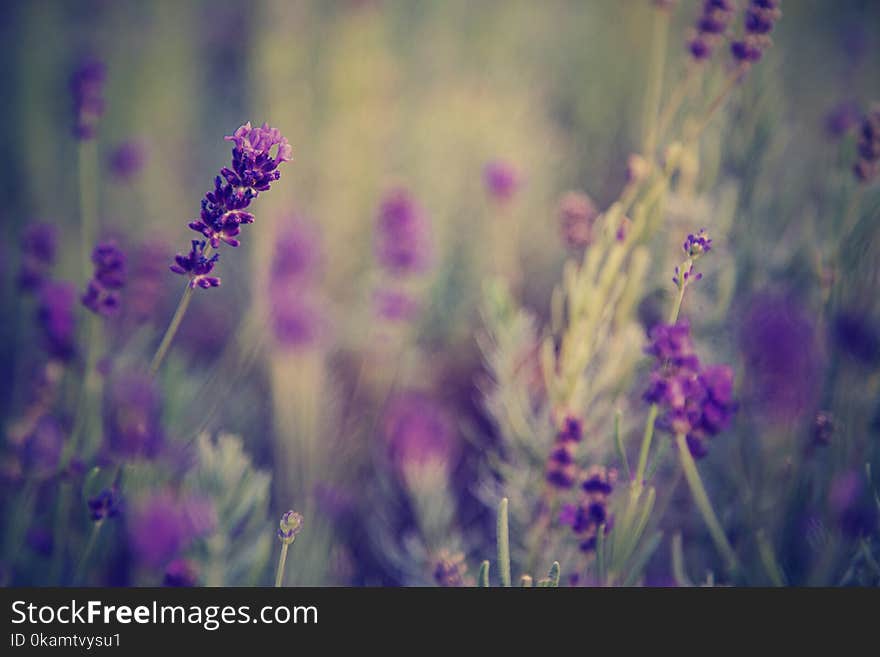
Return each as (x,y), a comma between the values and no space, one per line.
(647,436)
(701,499)
(659,37)
(171,331)
(282,560)
(503,544)
(771,565)
(718,101)
(90,546)
(677,97)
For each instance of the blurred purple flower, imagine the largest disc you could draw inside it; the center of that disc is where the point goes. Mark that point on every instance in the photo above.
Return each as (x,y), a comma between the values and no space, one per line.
(128,159)
(858,336)
(55,314)
(450,570)
(39,244)
(87,90)
(842,119)
(395,305)
(782,356)
(162,526)
(106,504)
(760,19)
(297,257)
(297,320)
(181,573)
(710,26)
(403,245)
(501,179)
(591,512)
(694,401)
(101,295)
(418,431)
(852,505)
(146,285)
(561,470)
(868,163)
(133,415)
(43,447)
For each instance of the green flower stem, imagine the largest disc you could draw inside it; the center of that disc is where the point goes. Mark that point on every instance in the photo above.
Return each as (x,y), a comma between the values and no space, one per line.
(173,325)
(503,544)
(87,552)
(701,499)
(483,579)
(647,436)
(282,561)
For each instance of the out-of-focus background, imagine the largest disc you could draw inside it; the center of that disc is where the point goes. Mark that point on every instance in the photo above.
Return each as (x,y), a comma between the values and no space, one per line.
(376,96)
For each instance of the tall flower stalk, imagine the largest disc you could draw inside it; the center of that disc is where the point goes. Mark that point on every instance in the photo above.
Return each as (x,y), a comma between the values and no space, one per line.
(256,156)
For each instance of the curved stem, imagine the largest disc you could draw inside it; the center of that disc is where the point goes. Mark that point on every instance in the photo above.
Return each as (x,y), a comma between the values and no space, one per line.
(171,331)
(701,499)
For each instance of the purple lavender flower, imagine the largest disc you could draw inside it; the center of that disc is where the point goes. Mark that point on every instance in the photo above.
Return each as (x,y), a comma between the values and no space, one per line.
(591,512)
(128,159)
(577,215)
(56,317)
(760,18)
(38,246)
(133,416)
(87,89)
(696,245)
(162,526)
(106,504)
(694,401)
(858,336)
(254,169)
(418,432)
(561,469)
(395,305)
(501,180)
(197,265)
(851,504)
(256,156)
(297,320)
(181,573)
(842,119)
(42,448)
(403,244)
(297,258)
(868,164)
(289,526)
(101,295)
(710,26)
(783,360)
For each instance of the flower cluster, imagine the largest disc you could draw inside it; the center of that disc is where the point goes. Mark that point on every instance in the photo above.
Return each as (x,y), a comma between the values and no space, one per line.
(760,18)
(289,526)
(450,570)
(102,292)
(577,215)
(868,164)
(256,156)
(711,25)
(561,469)
(197,265)
(39,245)
(591,512)
(87,89)
(501,180)
(694,401)
(419,433)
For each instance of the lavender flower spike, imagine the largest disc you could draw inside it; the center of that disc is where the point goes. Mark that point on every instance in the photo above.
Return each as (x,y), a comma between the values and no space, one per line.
(289,527)
(102,296)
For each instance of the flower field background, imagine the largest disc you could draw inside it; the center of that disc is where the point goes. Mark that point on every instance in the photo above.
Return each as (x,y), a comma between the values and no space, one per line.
(496,293)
